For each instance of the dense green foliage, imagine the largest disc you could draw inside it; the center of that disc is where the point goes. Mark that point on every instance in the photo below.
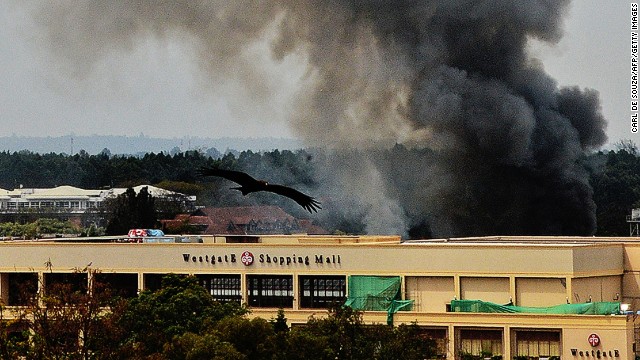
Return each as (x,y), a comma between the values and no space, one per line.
(94,171)
(39,228)
(616,188)
(131,211)
(182,322)
(174,172)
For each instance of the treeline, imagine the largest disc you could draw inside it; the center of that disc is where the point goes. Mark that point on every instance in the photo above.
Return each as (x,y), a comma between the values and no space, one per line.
(32,170)
(614,176)
(43,227)
(175,172)
(181,321)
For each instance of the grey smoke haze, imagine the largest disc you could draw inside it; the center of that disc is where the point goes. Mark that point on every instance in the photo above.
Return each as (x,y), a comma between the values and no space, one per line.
(490,143)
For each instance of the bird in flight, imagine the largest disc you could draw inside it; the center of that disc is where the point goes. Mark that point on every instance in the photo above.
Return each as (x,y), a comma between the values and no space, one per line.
(248,185)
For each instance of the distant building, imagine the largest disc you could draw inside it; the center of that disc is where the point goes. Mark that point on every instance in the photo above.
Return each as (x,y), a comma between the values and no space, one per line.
(634,222)
(69,202)
(243,220)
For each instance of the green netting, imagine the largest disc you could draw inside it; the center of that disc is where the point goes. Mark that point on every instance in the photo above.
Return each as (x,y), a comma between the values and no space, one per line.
(378,293)
(593,308)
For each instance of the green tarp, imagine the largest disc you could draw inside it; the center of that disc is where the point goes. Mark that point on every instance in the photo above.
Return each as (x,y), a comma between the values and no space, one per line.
(377,293)
(592,308)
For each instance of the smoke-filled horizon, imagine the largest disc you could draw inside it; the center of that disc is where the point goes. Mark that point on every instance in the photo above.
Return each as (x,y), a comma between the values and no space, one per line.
(491,144)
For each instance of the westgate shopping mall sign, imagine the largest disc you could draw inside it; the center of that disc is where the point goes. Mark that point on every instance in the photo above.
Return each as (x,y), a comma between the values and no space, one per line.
(247,258)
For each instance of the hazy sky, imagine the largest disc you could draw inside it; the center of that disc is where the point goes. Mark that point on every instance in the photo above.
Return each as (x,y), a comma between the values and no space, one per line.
(158,88)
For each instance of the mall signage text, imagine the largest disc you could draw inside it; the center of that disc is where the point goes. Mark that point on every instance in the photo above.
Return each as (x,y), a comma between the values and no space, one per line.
(247,258)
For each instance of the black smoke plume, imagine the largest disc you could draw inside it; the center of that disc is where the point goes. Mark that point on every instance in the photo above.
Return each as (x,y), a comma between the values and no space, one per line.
(439,121)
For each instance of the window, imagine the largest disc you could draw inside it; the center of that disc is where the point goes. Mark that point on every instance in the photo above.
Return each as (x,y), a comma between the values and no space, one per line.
(62,204)
(119,284)
(537,343)
(439,337)
(22,288)
(153,282)
(322,291)
(480,342)
(270,290)
(65,282)
(223,288)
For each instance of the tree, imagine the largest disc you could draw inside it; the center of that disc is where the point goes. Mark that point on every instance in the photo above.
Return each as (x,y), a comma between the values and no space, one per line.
(181,306)
(130,210)
(66,321)
(182,321)
(343,335)
(251,337)
(145,209)
(616,188)
(190,346)
(280,322)
(11,345)
(404,342)
(41,226)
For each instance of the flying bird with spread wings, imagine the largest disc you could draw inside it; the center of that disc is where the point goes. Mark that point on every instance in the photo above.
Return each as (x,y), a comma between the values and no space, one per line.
(248,185)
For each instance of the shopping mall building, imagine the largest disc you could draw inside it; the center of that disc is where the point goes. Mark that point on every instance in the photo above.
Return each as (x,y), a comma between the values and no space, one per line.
(534,298)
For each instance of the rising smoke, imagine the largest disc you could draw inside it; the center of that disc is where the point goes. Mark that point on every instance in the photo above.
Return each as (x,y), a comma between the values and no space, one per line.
(442,123)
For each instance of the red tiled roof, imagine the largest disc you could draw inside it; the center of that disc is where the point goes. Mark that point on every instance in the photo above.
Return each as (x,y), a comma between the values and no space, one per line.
(199,220)
(248,219)
(244,214)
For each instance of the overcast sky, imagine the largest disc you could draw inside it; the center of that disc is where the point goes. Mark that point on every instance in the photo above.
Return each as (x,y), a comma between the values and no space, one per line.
(157,88)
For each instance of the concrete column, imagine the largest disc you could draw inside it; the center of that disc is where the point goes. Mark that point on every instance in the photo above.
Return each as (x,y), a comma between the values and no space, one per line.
(244,288)
(513,290)
(451,345)
(296,292)
(506,346)
(140,282)
(41,285)
(457,287)
(90,281)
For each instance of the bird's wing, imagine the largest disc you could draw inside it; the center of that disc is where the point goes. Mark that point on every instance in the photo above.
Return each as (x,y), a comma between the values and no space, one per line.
(235,176)
(310,204)
(250,185)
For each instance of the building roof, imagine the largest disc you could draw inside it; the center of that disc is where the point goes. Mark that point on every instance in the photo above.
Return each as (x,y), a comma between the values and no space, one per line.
(64,191)
(242,220)
(72,192)
(200,222)
(153,191)
(4,194)
(244,214)
(531,240)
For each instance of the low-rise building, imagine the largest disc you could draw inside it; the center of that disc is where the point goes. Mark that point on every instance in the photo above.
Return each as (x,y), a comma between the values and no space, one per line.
(69,202)
(448,287)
